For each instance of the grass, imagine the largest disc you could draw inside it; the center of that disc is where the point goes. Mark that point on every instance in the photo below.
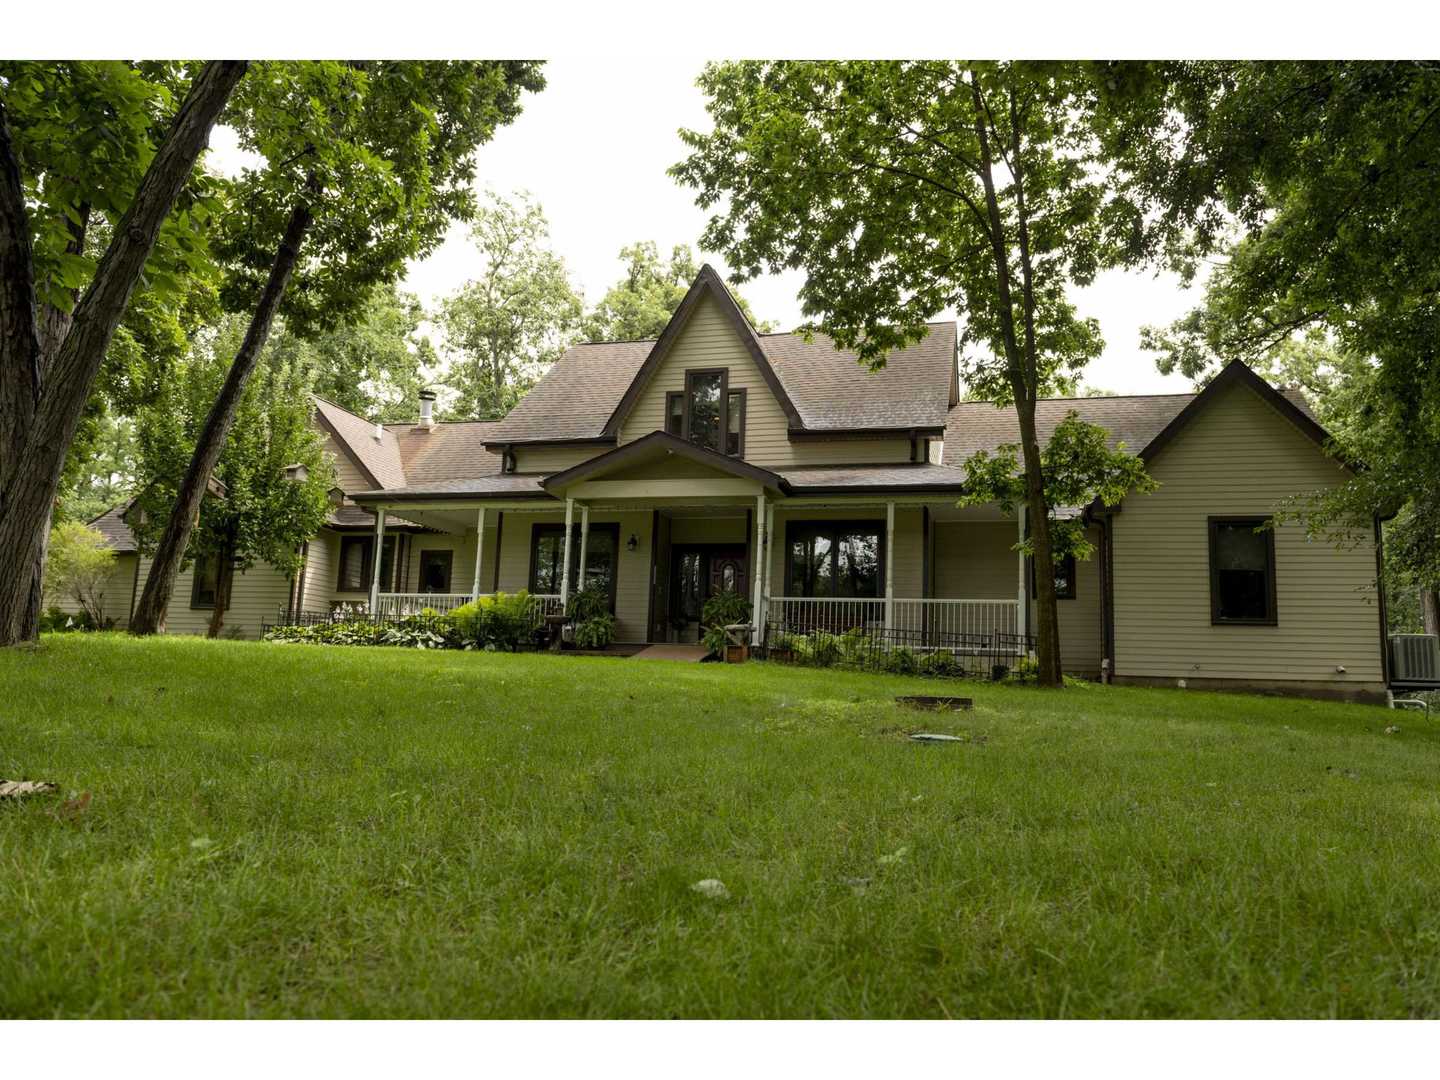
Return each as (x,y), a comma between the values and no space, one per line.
(296,831)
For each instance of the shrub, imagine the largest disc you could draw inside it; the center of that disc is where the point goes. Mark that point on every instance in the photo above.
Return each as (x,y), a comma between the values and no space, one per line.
(855,646)
(501,621)
(820,648)
(902,661)
(587,604)
(940,664)
(78,567)
(56,621)
(596,632)
(414,632)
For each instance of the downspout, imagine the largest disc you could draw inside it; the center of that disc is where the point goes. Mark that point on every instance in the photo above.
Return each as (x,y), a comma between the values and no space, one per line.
(1380,592)
(1107,594)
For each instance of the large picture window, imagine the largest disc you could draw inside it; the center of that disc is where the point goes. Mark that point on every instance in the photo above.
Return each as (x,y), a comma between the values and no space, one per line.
(355,564)
(708,413)
(1242,572)
(547,559)
(834,558)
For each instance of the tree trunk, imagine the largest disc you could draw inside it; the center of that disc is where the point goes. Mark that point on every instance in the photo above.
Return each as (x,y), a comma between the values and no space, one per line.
(149,617)
(1430,610)
(224,578)
(1024,388)
(38,419)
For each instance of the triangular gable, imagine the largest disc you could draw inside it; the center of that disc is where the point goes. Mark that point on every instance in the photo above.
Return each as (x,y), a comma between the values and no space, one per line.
(707,282)
(1237,372)
(378,461)
(656,446)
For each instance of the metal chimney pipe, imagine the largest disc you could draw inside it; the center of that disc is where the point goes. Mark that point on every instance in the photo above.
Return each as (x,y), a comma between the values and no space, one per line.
(427,408)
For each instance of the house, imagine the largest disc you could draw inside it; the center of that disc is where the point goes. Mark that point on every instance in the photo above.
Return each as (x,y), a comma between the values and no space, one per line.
(718,457)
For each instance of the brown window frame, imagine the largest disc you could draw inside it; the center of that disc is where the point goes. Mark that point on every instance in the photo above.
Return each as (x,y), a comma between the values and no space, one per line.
(367,564)
(195,602)
(542,528)
(725,394)
(1212,524)
(448,558)
(1066,561)
(794,529)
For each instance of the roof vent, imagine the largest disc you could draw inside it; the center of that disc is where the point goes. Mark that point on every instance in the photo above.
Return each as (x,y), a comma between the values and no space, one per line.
(427,408)
(379,431)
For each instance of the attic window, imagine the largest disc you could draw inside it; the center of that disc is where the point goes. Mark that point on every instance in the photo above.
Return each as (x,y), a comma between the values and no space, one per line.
(708,413)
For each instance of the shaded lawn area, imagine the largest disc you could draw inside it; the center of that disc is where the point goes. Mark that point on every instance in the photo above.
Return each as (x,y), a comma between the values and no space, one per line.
(281,830)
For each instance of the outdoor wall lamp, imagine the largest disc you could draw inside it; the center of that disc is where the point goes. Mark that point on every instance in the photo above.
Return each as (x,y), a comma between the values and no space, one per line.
(632,544)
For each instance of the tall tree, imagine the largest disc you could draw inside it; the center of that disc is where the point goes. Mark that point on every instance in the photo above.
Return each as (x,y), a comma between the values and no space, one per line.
(639,305)
(905,188)
(269,508)
(1312,184)
(504,327)
(366,165)
(374,365)
(77,140)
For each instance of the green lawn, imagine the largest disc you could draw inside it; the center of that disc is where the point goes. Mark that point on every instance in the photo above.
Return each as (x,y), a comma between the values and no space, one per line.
(281,830)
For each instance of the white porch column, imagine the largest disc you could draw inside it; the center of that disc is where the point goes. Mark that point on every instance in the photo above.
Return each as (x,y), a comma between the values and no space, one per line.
(1022,594)
(377,557)
(585,540)
(765,566)
(479,549)
(757,627)
(889,565)
(565,572)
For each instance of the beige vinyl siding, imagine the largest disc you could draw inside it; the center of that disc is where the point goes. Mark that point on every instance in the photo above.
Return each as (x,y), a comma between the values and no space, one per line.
(1240,457)
(632,582)
(117,596)
(321,564)
(551,459)
(257,596)
(977,561)
(805,453)
(347,476)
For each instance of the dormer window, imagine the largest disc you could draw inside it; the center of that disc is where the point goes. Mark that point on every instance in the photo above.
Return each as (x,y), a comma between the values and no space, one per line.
(708,413)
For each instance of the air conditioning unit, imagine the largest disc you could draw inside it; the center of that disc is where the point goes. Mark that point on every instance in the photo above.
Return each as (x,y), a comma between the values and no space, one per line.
(1415,658)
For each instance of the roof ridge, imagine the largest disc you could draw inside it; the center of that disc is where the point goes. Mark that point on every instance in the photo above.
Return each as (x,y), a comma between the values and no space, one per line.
(1096,397)
(797,333)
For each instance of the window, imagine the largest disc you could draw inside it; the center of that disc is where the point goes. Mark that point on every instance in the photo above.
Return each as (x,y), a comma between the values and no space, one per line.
(206,583)
(435,571)
(834,558)
(356,565)
(708,413)
(735,423)
(1242,571)
(705,403)
(547,554)
(1064,577)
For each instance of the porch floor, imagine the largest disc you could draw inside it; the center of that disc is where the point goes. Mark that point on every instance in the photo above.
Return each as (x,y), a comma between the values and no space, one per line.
(691,653)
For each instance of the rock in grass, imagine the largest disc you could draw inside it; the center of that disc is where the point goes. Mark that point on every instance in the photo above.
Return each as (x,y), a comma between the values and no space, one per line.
(711,888)
(15,789)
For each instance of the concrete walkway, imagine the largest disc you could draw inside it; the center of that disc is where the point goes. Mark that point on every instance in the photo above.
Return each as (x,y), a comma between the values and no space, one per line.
(692,653)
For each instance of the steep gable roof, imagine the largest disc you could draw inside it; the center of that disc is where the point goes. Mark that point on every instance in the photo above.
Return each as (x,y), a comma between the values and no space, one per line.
(378,459)
(112,525)
(1142,422)
(706,283)
(450,450)
(576,396)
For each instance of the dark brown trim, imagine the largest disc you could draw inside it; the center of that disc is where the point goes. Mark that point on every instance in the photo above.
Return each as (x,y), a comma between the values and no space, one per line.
(800,526)
(707,281)
(499,537)
(587,440)
(611,527)
(381,496)
(367,567)
(701,372)
(863,434)
(744,408)
(1384,609)
(642,447)
(1107,588)
(651,580)
(1272,611)
(334,433)
(876,490)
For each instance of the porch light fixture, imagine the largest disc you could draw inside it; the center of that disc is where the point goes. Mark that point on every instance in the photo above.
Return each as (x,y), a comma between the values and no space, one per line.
(632,544)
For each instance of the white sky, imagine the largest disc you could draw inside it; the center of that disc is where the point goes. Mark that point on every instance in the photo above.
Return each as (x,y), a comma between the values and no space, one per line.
(593,148)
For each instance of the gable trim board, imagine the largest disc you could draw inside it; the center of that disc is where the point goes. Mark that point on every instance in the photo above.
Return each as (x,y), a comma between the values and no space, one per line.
(707,283)
(649,446)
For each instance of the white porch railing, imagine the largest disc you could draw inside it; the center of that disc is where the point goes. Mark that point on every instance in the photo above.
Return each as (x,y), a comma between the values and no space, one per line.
(401,604)
(921,622)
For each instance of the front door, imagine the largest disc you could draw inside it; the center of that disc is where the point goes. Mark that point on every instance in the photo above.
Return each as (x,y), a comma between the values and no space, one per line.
(698,572)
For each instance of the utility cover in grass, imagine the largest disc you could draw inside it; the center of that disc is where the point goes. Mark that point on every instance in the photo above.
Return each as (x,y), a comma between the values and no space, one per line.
(934,736)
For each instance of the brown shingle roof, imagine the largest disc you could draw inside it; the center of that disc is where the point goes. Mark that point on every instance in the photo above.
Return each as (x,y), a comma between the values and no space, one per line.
(378,457)
(117,533)
(446,451)
(1135,421)
(831,389)
(576,396)
(917,477)
(828,387)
